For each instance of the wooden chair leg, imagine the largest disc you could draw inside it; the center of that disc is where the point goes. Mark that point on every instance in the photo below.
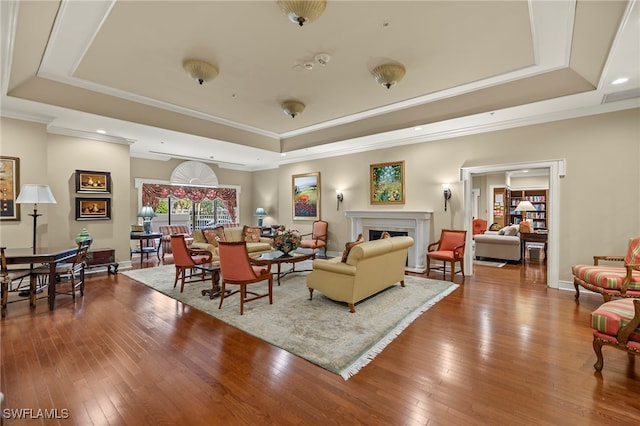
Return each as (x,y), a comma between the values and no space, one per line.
(5,290)
(453,269)
(223,292)
(597,347)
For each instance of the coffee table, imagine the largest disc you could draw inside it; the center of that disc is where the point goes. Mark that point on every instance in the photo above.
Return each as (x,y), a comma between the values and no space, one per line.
(214,269)
(294,257)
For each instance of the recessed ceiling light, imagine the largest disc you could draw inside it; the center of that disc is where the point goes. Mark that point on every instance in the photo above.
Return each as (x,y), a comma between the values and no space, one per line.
(620,80)
(102,132)
(284,154)
(417,128)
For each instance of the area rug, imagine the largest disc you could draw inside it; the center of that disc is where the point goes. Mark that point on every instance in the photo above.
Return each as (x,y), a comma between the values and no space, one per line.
(489,263)
(320,330)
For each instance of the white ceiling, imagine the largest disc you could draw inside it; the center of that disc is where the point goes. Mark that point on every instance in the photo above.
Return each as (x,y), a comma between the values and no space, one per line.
(472,66)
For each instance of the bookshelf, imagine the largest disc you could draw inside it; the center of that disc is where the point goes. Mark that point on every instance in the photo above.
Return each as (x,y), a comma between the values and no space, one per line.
(537,197)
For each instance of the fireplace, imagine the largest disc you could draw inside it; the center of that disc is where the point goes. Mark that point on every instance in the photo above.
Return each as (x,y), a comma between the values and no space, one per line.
(415,224)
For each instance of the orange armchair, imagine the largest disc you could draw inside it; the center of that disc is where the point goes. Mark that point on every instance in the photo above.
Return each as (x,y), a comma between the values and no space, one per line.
(318,237)
(238,268)
(448,249)
(185,258)
(479,226)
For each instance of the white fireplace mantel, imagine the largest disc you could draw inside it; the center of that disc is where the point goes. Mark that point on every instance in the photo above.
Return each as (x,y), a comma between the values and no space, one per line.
(415,223)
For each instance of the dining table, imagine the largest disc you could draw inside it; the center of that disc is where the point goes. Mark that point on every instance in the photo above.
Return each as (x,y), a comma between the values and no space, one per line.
(41,255)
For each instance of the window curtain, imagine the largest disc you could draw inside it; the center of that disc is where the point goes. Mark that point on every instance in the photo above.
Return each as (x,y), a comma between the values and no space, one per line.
(153,192)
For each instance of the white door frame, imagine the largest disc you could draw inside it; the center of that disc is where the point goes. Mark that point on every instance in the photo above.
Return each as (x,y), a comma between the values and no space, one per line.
(557,169)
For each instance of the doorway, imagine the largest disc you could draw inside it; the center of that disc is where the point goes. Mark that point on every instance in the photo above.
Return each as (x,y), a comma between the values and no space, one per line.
(556,169)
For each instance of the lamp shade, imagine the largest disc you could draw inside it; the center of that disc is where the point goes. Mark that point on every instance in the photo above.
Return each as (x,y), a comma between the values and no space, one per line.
(261,212)
(37,194)
(525,206)
(147,212)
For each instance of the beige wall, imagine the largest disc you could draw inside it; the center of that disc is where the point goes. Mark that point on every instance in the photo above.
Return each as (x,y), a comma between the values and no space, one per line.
(53,160)
(602,155)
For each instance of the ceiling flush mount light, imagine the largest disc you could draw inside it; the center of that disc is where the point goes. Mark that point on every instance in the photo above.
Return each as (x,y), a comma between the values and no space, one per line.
(302,11)
(388,74)
(292,108)
(200,71)
(620,80)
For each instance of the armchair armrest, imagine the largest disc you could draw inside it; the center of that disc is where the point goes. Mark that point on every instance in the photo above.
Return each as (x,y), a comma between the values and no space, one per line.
(260,262)
(433,246)
(200,252)
(614,258)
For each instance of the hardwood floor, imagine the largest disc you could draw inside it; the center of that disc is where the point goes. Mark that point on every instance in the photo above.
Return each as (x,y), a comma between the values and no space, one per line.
(502,349)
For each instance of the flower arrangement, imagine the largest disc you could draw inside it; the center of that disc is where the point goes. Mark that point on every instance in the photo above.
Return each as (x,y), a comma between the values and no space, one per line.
(286,241)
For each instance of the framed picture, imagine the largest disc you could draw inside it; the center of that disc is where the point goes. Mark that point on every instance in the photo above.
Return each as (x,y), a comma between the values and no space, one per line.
(306,196)
(93,208)
(95,182)
(9,186)
(387,183)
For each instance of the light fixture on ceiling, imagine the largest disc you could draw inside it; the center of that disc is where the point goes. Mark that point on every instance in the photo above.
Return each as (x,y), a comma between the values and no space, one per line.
(388,74)
(292,108)
(200,71)
(302,11)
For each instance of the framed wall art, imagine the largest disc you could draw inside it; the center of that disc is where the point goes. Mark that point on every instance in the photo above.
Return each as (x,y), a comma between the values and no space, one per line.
(387,183)
(306,196)
(93,182)
(9,186)
(93,208)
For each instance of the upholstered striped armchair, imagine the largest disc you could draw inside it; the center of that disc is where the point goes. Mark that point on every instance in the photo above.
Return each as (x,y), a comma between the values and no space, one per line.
(611,280)
(168,230)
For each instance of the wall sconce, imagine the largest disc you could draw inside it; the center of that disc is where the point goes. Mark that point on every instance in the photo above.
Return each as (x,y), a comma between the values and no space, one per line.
(261,213)
(340,197)
(447,194)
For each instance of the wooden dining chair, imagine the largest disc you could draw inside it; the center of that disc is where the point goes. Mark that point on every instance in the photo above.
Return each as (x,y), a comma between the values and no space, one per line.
(7,277)
(239,269)
(71,272)
(186,259)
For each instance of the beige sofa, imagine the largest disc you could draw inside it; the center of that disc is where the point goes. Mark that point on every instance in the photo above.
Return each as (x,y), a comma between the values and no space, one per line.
(231,234)
(371,267)
(495,245)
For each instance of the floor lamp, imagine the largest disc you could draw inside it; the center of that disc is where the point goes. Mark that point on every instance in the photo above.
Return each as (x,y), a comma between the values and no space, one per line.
(36,194)
(33,193)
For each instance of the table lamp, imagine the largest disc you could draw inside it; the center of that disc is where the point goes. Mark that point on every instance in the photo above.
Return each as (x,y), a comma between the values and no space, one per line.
(524,207)
(36,194)
(146,214)
(261,213)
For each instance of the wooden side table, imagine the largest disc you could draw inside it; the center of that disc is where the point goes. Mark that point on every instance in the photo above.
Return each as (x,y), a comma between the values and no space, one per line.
(144,247)
(532,237)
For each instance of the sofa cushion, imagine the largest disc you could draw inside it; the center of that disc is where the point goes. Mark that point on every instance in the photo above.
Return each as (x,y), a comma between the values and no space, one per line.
(251,234)
(214,235)
(349,246)
(610,317)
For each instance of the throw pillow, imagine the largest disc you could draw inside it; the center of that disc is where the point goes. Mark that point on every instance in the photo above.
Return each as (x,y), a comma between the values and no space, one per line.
(251,234)
(349,246)
(214,235)
(384,235)
(495,227)
(510,230)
